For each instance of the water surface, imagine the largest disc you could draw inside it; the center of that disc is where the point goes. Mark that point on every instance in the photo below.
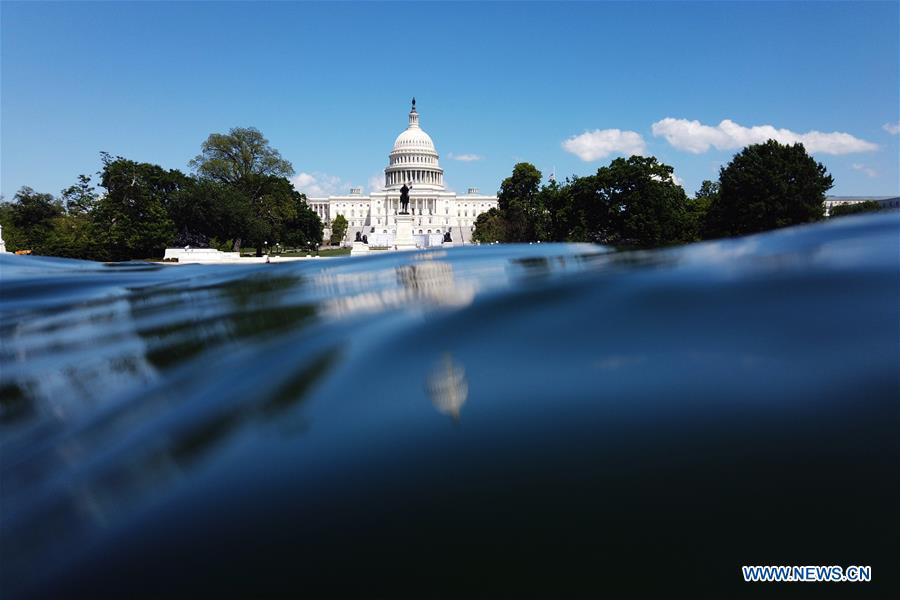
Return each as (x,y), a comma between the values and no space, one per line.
(533,420)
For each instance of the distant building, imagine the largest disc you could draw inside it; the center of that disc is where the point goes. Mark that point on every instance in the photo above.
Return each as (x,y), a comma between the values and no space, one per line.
(884,201)
(414,162)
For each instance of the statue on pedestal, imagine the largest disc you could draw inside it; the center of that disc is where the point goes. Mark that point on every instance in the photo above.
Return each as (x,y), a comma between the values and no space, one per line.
(447,237)
(358,237)
(404,199)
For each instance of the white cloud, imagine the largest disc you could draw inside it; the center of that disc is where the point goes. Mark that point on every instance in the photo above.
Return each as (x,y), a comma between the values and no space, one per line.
(376,182)
(695,137)
(867,170)
(317,184)
(464,157)
(592,145)
(892,128)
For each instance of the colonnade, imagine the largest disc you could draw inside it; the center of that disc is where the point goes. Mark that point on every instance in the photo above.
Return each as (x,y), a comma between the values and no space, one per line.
(414,176)
(417,206)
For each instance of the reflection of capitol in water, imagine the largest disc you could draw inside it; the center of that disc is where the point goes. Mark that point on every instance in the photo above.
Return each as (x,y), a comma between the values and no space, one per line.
(448,387)
(426,283)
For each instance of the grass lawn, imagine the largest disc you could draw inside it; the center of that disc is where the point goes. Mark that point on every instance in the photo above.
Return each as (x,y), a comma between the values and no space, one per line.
(334,252)
(323,252)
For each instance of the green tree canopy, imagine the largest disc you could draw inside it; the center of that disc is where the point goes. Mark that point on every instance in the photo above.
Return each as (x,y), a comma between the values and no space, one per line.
(258,200)
(856,208)
(519,201)
(134,212)
(632,203)
(698,207)
(80,198)
(490,227)
(338,229)
(279,213)
(305,229)
(238,155)
(31,216)
(768,186)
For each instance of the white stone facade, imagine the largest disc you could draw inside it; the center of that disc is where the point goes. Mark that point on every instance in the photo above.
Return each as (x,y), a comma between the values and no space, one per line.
(435,210)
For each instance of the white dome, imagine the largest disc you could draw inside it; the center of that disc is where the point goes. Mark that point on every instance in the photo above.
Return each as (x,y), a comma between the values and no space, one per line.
(414,159)
(414,138)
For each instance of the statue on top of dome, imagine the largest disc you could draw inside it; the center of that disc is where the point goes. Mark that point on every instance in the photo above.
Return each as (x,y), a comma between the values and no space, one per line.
(414,103)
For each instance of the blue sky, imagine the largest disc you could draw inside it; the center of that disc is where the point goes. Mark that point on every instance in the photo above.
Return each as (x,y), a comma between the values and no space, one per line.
(564,85)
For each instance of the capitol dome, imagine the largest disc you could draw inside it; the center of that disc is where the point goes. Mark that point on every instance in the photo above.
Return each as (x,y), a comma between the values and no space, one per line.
(414,159)
(414,138)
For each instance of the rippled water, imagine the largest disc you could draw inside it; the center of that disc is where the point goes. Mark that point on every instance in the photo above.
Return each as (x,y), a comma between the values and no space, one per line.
(507,420)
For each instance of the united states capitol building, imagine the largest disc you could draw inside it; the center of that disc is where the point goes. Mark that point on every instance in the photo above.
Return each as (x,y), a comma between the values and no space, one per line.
(435,209)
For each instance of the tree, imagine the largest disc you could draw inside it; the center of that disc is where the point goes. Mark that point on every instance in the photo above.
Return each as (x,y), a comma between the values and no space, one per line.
(698,208)
(305,229)
(14,239)
(274,212)
(235,157)
(74,234)
(768,186)
(587,215)
(490,227)
(32,215)
(338,229)
(80,198)
(243,161)
(556,202)
(632,203)
(133,215)
(856,208)
(520,206)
